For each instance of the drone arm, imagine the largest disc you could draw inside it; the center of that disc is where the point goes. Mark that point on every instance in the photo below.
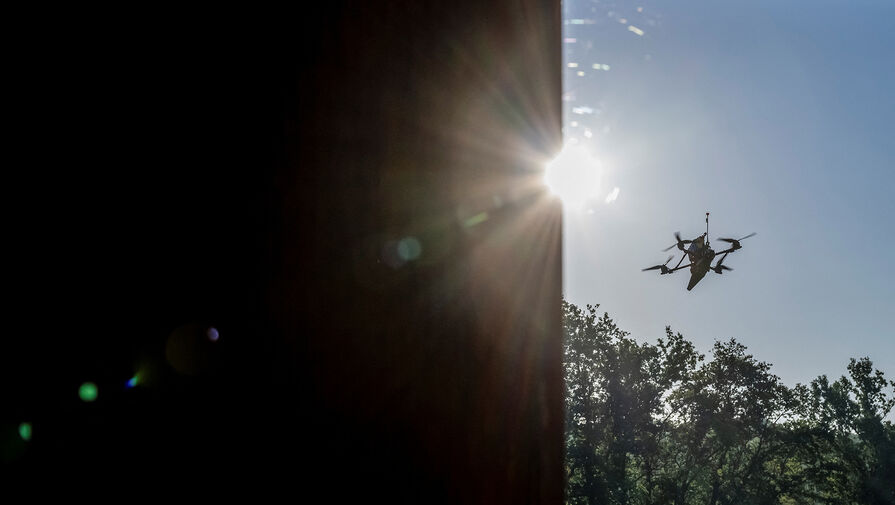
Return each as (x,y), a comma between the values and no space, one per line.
(679,267)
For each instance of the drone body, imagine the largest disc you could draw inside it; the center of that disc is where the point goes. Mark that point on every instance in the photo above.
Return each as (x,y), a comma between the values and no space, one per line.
(700,255)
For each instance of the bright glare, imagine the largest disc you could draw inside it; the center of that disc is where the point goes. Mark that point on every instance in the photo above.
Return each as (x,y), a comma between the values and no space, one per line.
(612,196)
(574,176)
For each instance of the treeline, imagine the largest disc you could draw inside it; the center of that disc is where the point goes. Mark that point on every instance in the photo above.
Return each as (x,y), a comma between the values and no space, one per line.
(664,424)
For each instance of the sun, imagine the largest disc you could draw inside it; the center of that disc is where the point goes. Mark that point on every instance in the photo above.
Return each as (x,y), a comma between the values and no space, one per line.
(573,176)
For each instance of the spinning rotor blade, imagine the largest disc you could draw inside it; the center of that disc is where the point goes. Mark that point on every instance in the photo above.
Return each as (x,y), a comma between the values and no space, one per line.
(658,266)
(736,241)
(719,268)
(679,243)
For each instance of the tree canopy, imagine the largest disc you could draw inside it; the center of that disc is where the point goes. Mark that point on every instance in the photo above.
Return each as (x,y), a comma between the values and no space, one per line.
(663,424)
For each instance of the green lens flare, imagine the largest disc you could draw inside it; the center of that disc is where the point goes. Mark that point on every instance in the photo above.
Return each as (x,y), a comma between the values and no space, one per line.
(409,249)
(479,218)
(25,431)
(88,392)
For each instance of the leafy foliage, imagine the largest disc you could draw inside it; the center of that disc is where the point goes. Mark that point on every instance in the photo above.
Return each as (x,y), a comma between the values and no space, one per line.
(661,424)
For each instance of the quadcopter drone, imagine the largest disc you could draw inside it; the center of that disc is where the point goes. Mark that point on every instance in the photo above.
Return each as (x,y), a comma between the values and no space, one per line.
(700,256)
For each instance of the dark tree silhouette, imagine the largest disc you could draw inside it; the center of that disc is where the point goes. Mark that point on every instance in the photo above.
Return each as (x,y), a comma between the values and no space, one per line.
(658,424)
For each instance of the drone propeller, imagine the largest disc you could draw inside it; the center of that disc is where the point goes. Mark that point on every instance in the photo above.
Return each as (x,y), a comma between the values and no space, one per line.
(680,243)
(719,268)
(736,241)
(662,266)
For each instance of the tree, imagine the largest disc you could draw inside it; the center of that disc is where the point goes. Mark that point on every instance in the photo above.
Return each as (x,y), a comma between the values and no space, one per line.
(613,397)
(852,447)
(659,424)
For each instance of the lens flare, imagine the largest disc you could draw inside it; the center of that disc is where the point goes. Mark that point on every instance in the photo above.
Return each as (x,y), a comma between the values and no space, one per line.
(612,196)
(25,431)
(409,248)
(574,176)
(88,392)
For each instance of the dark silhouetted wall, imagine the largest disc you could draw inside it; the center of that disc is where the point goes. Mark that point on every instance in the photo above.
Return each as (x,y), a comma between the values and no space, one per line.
(352,196)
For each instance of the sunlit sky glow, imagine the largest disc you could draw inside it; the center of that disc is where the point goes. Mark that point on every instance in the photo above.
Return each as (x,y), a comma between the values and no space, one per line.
(574,176)
(776,117)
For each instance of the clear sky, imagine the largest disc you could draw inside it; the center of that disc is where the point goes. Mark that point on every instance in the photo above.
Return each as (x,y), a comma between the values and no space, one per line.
(776,117)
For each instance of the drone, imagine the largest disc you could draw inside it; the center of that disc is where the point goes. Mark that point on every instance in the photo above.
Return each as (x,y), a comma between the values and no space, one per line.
(700,256)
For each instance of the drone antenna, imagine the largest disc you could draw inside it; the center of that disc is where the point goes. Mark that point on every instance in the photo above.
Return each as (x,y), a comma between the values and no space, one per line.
(706,229)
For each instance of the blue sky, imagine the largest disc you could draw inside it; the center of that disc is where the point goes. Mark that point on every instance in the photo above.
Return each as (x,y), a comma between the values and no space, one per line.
(776,117)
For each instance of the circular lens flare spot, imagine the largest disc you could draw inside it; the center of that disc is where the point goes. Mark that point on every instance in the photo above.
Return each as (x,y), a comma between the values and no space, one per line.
(409,249)
(88,392)
(573,176)
(25,431)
